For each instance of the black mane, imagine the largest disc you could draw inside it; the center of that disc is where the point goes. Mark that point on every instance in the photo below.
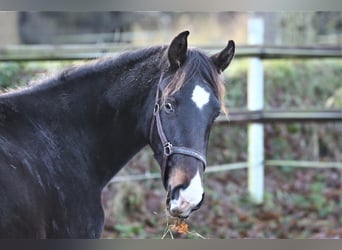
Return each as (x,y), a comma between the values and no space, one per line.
(116,63)
(111,64)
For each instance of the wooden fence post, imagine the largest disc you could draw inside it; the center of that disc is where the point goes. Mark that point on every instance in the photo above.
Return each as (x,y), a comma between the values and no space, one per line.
(255,101)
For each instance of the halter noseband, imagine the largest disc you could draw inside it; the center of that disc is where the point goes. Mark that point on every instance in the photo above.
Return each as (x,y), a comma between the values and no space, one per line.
(168,148)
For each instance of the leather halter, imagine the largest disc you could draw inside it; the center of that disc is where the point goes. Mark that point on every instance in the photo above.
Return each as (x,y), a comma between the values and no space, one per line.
(168,148)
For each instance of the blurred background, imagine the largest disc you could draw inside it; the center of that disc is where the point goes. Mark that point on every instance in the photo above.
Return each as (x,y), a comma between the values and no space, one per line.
(146,28)
(299,201)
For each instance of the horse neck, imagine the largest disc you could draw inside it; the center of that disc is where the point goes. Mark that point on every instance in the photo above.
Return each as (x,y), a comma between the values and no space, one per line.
(102,116)
(131,113)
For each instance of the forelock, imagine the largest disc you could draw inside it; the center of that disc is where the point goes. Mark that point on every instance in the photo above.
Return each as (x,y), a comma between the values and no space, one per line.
(197,63)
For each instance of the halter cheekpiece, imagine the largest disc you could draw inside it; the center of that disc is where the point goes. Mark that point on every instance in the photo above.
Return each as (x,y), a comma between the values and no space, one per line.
(168,148)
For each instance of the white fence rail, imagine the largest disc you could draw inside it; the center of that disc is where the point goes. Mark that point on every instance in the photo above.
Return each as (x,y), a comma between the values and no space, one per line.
(255,102)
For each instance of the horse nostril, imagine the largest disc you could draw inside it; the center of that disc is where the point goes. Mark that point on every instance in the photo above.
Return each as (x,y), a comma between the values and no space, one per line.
(174,211)
(174,192)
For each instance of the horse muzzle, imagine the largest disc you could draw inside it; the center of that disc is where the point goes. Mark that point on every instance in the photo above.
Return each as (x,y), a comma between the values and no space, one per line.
(183,208)
(182,199)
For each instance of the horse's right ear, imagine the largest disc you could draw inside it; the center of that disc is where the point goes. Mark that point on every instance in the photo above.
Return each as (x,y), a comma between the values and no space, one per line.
(178,49)
(222,59)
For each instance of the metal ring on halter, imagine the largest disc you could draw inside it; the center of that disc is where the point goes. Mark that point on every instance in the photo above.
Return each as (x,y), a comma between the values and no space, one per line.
(168,149)
(156,108)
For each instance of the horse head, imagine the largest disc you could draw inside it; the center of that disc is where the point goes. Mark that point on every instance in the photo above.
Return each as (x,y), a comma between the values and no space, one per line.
(188,98)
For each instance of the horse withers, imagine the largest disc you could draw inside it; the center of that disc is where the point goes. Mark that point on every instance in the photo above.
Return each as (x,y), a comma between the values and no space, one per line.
(61,141)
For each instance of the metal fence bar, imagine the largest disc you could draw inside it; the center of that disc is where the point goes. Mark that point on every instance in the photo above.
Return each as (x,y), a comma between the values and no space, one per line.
(84,52)
(304,164)
(226,167)
(151,176)
(283,116)
(234,166)
(135,177)
(276,52)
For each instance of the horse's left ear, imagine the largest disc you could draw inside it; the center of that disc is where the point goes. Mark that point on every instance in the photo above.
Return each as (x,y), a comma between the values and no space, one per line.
(222,59)
(177,49)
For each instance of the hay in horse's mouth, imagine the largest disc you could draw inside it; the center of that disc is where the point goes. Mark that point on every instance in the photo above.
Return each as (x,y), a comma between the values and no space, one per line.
(180,227)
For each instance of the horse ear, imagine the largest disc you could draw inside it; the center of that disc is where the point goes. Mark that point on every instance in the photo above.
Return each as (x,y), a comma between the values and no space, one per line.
(177,50)
(222,59)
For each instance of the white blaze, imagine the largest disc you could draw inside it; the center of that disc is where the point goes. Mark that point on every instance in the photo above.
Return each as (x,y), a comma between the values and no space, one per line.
(190,197)
(200,96)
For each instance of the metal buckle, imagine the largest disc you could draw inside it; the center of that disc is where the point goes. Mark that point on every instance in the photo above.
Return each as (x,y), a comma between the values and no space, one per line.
(156,109)
(167,148)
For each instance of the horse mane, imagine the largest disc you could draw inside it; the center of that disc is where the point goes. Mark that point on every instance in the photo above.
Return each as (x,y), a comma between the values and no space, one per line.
(196,63)
(84,69)
(109,63)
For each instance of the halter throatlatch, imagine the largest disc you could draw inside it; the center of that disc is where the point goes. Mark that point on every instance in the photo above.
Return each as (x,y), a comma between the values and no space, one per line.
(168,148)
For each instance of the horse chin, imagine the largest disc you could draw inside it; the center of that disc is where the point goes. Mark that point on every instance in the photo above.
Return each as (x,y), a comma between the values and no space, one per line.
(180,216)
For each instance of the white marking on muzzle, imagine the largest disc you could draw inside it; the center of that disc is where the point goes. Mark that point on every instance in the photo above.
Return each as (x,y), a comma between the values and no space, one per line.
(188,198)
(200,96)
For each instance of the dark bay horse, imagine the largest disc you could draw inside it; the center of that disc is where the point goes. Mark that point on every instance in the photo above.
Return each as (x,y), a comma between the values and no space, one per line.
(62,140)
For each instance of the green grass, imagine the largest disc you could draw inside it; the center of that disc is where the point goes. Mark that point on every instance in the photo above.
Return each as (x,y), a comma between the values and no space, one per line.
(288,83)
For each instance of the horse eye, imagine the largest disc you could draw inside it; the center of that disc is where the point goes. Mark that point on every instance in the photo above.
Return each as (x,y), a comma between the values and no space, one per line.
(216,115)
(169,107)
